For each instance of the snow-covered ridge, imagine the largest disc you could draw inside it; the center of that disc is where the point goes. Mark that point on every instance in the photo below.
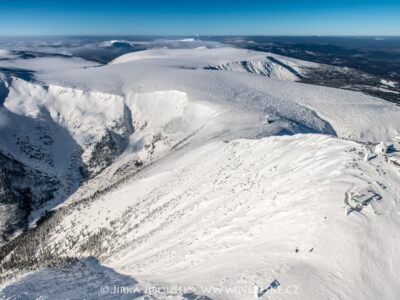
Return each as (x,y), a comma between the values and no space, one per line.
(178,174)
(72,135)
(197,56)
(89,116)
(267,68)
(352,115)
(269,65)
(246,214)
(83,130)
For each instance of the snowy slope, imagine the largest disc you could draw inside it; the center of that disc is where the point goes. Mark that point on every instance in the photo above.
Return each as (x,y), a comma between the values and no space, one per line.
(351,114)
(239,216)
(72,135)
(206,169)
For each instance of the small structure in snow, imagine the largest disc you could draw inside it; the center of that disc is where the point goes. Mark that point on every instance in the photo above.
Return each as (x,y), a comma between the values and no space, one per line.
(273,285)
(381,148)
(393,152)
(356,201)
(270,119)
(366,157)
(369,156)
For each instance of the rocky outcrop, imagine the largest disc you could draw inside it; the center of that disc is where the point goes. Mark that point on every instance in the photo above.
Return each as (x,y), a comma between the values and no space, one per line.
(21,191)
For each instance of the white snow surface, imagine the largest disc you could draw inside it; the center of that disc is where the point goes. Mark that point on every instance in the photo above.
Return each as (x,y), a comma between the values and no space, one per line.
(351,114)
(6,54)
(228,199)
(388,83)
(234,214)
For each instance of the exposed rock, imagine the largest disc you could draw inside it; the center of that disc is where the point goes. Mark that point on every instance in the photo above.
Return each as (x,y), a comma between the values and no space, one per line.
(21,190)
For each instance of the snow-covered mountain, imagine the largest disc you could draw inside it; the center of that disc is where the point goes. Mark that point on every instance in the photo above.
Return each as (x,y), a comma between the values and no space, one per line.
(209,169)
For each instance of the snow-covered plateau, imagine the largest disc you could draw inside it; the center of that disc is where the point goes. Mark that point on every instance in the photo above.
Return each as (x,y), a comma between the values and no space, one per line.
(202,173)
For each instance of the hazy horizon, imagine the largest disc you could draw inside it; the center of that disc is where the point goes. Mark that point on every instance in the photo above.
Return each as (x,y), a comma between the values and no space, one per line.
(181,18)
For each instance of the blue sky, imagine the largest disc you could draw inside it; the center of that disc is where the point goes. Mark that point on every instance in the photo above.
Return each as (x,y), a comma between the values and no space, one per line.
(178,17)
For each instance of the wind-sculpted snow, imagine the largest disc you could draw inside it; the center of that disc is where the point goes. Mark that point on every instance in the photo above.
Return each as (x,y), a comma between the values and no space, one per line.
(81,279)
(352,115)
(73,135)
(210,169)
(244,212)
(96,119)
(89,117)
(269,68)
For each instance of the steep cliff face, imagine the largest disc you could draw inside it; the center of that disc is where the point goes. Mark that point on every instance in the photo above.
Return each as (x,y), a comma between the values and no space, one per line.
(269,67)
(53,139)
